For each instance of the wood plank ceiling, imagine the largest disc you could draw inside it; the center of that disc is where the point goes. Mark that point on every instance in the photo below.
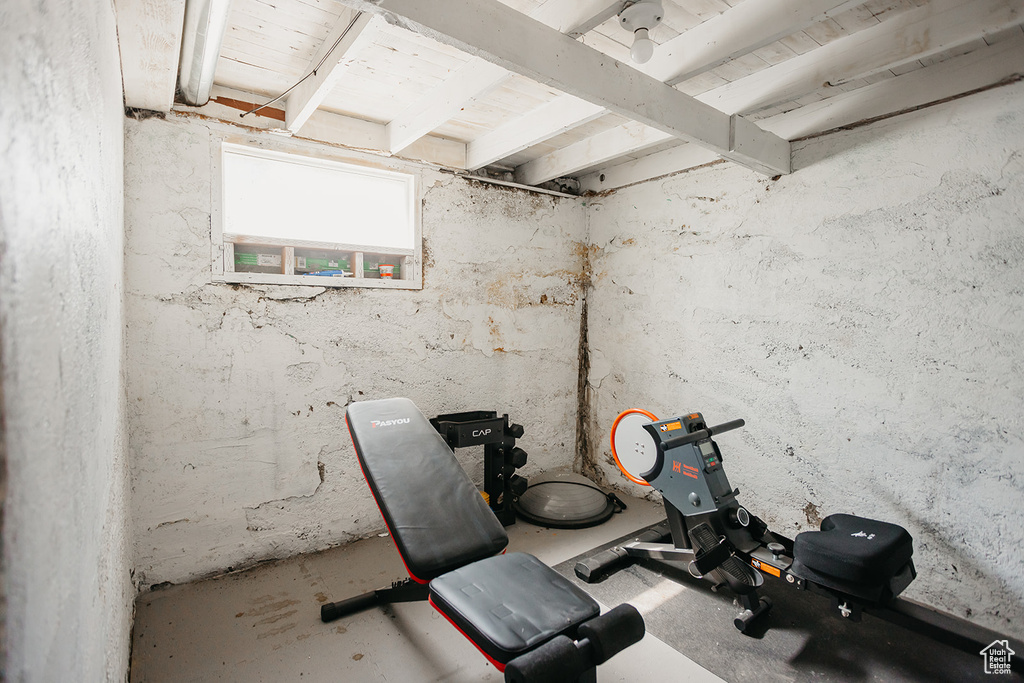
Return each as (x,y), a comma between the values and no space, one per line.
(509,98)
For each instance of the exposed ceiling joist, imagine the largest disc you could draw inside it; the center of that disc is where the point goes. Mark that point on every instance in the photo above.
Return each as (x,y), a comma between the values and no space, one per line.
(981,68)
(922,32)
(925,31)
(596,149)
(517,43)
(325,126)
(466,86)
(149,38)
(475,79)
(646,167)
(350,35)
(740,30)
(579,17)
(860,54)
(543,123)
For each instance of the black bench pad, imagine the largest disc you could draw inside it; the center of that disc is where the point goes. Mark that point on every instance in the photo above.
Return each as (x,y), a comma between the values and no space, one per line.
(509,604)
(854,549)
(436,516)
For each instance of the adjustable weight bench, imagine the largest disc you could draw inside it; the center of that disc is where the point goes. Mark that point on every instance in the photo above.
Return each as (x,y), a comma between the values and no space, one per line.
(526,619)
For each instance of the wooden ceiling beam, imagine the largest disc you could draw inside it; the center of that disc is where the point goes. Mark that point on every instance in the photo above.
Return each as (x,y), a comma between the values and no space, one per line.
(325,126)
(928,30)
(975,70)
(353,32)
(480,77)
(925,31)
(149,38)
(543,123)
(596,149)
(661,163)
(983,68)
(517,43)
(474,80)
(576,17)
(740,30)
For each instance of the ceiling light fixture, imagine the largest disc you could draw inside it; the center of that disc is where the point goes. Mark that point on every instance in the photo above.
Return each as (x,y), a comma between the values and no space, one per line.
(640,17)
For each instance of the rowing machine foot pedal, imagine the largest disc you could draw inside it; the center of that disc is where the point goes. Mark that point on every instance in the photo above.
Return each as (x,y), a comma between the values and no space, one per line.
(745,618)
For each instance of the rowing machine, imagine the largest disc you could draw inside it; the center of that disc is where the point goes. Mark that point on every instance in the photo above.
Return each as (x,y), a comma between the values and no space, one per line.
(861,564)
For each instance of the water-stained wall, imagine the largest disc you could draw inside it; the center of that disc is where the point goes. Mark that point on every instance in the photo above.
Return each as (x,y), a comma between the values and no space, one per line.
(237,394)
(865,315)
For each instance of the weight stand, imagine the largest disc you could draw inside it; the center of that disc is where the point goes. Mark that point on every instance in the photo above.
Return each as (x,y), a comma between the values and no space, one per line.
(501,456)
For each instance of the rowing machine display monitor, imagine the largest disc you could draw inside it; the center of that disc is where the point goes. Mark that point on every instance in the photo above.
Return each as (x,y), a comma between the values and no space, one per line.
(501,455)
(861,563)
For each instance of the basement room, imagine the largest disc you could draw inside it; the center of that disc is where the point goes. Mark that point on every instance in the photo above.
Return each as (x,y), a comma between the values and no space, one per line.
(512,340)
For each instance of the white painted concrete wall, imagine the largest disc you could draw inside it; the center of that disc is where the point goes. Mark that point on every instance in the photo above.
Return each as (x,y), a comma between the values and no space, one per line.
(66,547)
(237,394)
(865,315)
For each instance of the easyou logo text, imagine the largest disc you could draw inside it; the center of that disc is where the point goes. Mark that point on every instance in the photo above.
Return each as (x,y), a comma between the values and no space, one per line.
(390,423)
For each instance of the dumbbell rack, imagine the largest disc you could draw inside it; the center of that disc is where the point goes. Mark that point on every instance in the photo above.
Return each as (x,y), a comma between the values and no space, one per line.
(501,455)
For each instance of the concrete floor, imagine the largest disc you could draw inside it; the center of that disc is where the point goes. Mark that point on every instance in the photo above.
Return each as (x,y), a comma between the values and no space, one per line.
(264,625)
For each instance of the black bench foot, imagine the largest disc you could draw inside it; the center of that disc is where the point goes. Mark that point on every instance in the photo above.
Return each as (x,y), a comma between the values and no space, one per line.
(400,591)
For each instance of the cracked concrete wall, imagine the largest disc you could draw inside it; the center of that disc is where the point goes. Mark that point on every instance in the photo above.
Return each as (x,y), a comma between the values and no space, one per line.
(68,596)
(236,394)
(865,315)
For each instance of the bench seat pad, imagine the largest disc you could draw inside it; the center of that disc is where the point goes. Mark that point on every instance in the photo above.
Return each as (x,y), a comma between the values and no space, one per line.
(509,604)
(436,516)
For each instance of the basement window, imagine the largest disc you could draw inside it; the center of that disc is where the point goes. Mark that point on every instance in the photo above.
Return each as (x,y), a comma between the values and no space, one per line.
(299,220)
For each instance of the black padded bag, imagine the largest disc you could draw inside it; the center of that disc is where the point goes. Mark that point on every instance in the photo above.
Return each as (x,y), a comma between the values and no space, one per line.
(436,516)
(854,549)
(510,604)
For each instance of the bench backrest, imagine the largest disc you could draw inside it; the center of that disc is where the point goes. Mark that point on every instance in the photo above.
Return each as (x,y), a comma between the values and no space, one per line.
(436,516)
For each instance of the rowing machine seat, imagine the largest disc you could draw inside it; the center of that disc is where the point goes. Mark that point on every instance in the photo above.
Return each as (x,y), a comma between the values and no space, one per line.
(853,554)
(508,605)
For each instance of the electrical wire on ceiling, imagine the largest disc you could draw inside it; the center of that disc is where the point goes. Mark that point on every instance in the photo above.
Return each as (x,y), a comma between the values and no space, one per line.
(315,68)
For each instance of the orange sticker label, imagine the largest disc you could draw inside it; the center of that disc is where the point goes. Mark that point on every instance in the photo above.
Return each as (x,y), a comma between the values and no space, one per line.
(765,567)
(671,426)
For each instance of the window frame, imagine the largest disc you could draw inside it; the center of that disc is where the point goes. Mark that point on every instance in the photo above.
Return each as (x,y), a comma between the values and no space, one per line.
(223,244)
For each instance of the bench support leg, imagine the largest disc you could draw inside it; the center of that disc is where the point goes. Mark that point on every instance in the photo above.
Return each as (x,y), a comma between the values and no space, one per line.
(400,591)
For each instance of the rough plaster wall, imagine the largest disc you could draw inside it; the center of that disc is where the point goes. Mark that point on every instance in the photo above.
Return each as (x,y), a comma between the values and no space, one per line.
(237,394)
(66,550)
(865,315)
